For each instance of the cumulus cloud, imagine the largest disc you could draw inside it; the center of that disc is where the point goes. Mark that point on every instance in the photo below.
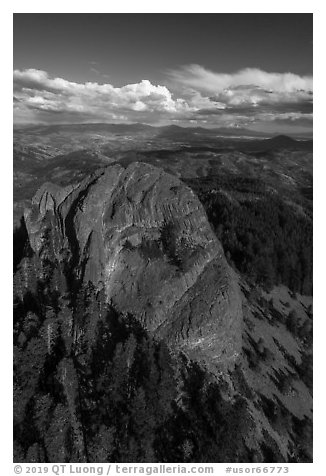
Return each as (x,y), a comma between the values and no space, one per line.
(195,96)
(36,91)
(248,89)
(200,78)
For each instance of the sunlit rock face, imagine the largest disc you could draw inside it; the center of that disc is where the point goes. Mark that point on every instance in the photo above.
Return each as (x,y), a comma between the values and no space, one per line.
(143,236)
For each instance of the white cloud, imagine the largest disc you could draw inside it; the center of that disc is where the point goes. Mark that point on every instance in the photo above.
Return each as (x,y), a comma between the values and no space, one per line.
(197,96)
(202,79)
(248,87)
(35,90)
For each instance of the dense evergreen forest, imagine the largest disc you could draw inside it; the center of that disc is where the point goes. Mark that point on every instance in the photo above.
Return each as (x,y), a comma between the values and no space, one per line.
(92,385)
(263,235)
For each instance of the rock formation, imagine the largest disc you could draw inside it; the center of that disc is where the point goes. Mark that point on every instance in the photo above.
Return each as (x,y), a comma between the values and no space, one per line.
(142,236)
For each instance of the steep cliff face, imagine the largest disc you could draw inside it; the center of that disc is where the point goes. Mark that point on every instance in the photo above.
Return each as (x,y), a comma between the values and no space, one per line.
(142,236)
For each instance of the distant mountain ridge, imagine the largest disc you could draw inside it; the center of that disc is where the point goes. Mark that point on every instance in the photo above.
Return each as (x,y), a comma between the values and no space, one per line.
(168,130)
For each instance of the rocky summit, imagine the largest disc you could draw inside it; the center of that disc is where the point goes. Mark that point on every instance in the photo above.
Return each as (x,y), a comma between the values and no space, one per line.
(142,236)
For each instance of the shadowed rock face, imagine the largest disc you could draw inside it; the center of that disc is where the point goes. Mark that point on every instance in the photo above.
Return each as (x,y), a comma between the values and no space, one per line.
(143,236)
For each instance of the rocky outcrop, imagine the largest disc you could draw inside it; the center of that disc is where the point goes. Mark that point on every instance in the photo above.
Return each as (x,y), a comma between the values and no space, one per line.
(143,236)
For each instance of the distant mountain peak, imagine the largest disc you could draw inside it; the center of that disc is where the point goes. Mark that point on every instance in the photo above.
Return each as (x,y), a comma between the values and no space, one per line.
(282,138)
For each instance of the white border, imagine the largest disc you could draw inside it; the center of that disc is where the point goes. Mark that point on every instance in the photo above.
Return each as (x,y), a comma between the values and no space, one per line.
(169,6)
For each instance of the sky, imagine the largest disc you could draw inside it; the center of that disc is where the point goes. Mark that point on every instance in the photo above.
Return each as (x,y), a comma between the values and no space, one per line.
(208,70)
